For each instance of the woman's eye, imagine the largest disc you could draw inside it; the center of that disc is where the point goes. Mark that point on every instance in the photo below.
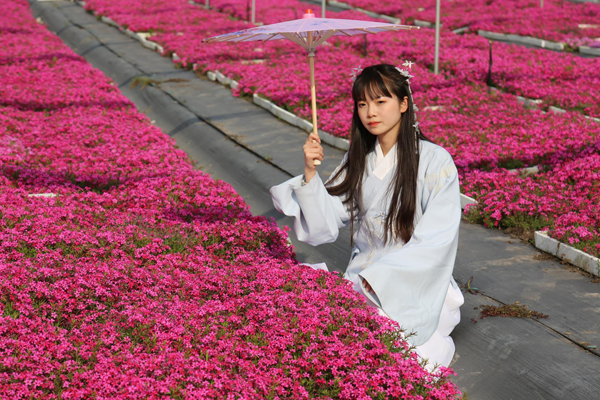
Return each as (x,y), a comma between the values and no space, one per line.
(381,102)
(361,104)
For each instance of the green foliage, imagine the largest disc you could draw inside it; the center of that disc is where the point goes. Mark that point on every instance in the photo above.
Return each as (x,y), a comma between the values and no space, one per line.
(523,222)
(526,222)
(27,250)
(93,186)
(512,163)
(389,339)
(326,387)
(9,310)
(179,243)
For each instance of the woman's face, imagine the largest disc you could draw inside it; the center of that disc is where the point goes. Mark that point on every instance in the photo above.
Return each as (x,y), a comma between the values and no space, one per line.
(382,116)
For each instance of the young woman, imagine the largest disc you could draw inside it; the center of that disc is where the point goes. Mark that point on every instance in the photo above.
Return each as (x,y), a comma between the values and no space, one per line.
(400,194)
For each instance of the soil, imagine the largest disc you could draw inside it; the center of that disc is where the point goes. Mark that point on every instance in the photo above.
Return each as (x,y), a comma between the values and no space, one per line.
(544,257)
(520,233)
(570,267)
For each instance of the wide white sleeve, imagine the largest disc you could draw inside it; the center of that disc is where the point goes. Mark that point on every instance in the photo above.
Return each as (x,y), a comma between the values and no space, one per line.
(411,283)
(318,216)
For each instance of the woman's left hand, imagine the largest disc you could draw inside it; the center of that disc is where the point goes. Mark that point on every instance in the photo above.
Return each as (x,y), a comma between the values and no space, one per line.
(368,287)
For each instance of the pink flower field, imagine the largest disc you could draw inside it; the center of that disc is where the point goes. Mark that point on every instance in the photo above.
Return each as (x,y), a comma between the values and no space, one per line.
(137,276)
(557,20)
(561,80)
(563,198)
(488,132)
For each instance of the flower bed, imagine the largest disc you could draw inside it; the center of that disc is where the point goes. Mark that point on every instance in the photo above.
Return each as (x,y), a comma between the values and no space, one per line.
(560,21)
(511,137)
(169,286)
(564,199)
(560,80)
(142,277)
(481,129)
(556,79)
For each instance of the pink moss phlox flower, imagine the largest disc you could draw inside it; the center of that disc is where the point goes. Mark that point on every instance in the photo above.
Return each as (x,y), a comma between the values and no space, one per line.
(141,277)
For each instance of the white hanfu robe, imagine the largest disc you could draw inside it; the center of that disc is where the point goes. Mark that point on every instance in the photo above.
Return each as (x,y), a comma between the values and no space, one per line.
(412,281)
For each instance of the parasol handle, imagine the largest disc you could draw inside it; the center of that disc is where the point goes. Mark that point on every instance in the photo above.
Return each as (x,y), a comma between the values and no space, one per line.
(313,93)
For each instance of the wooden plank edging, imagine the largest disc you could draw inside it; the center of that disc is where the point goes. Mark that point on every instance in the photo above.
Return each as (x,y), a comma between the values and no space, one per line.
(527,40)
(567,253)
(466,200)
(591,51)
(293,119)
(372,14)
(42,195)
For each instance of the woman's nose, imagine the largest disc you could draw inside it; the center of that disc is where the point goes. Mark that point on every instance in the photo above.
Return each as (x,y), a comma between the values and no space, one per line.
(371,111)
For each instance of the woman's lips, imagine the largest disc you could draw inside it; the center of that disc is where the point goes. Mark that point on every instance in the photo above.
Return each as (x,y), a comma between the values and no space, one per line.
(373,123)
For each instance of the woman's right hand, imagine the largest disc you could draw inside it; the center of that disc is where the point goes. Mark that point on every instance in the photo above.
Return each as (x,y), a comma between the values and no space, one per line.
(312,151)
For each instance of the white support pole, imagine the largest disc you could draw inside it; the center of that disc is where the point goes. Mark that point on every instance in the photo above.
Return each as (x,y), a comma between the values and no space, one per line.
(207,5)
(542,3)
(253,20)
(436,67)
(324,4)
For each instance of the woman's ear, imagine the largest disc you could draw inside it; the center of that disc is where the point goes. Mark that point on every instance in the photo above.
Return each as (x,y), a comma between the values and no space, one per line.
(404,105)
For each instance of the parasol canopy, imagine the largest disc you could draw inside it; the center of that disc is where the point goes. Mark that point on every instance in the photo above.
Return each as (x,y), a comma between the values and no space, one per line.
(299,30)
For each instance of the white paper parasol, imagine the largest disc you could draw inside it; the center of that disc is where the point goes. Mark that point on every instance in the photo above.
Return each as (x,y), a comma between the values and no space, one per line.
(309,32)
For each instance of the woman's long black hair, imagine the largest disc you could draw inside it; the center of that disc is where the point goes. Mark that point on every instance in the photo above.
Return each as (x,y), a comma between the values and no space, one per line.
(374,82)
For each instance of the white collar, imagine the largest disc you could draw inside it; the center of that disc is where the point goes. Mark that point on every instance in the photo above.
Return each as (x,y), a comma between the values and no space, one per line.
(384,164)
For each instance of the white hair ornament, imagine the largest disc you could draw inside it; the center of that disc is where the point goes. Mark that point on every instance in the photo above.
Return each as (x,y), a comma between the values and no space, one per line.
(355,73)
